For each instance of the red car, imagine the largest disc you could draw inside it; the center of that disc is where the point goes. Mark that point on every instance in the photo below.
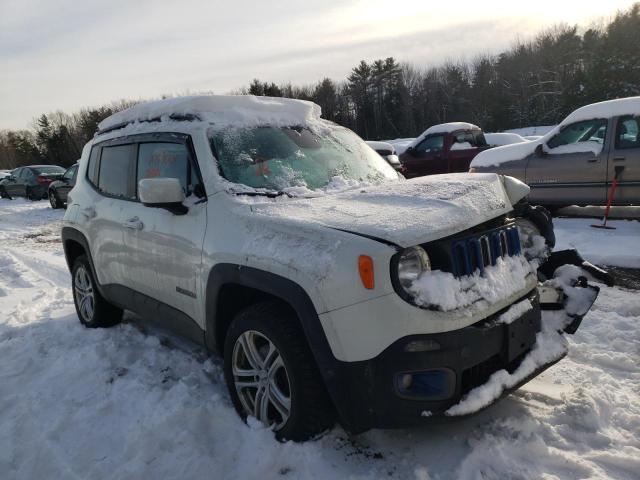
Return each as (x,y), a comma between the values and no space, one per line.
(444,148)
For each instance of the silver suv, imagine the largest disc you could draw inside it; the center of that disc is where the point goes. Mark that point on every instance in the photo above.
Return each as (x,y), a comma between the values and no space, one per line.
(576,162)
(332,287)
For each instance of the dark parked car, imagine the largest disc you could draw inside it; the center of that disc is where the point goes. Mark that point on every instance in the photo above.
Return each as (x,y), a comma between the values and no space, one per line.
(31,182)
(444,148)
(58,189)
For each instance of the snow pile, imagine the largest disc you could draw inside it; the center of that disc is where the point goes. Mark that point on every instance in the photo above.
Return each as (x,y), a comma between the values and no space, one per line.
(221,110)
(607,109)
(445,291)
(406,213)
(505,138)
(619,247)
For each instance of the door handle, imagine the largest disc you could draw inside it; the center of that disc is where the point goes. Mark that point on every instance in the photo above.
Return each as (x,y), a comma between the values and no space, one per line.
(133,223)
(592,160)
(89,212)
(619,159)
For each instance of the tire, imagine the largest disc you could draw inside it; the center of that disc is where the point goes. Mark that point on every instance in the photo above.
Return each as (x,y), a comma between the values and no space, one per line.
(288,375)
(4,194)
(54,200)
(92,309)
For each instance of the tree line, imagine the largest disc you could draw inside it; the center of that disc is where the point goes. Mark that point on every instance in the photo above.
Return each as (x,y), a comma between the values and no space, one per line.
(534,82)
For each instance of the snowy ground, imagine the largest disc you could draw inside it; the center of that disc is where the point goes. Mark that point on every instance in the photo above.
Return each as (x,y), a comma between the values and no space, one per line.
(135,402)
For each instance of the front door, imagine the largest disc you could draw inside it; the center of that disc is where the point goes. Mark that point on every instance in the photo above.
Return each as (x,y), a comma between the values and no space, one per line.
(571,169)
(426,158)
(11,184)
(168,247)
(625,156)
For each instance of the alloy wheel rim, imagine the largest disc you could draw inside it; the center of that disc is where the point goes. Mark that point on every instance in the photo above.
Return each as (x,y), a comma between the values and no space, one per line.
(83,289)
(261,379)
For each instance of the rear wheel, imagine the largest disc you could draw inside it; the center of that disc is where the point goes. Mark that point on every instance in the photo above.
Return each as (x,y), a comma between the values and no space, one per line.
(92,309)
(271,373)
(54,200)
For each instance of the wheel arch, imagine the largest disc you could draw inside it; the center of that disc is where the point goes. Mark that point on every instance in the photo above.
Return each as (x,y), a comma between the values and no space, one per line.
(74,244)
(235,281)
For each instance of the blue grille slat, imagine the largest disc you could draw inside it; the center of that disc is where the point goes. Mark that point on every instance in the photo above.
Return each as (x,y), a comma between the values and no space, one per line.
(468,253)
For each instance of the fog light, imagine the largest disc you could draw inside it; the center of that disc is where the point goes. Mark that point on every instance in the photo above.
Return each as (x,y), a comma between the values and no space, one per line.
(405,381)
(429,384)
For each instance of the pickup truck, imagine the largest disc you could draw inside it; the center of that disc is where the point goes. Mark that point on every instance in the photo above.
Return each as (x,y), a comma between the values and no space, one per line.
(444,148)
(577,161)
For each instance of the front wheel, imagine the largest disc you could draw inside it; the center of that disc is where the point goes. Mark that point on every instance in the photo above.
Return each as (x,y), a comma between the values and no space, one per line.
(271,373)
(4,194)
(92,309)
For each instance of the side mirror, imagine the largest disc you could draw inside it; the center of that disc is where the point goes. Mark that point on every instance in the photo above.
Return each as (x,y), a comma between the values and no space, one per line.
(164,193)
(410,149)
(540,150)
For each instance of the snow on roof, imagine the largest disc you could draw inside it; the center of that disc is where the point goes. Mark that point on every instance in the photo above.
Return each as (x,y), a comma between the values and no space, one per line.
(610,108)
(222,110)
(444,128)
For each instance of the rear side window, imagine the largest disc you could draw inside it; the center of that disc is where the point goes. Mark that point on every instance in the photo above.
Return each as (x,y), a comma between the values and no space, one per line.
(628,132)
(166,160)
(92,169)
(117,167)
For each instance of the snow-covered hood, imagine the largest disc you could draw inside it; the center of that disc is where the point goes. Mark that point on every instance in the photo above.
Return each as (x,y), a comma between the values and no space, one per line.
(410,212)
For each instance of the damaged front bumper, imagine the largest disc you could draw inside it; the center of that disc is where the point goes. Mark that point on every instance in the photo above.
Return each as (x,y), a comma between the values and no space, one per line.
(426,378)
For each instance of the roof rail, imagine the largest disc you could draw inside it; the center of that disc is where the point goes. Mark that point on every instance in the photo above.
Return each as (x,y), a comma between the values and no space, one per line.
(178,117)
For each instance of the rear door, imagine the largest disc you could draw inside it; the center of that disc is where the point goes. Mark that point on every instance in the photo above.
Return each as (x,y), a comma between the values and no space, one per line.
(572,167)
(625,156)
(111,171)
(464,147)
(167,248)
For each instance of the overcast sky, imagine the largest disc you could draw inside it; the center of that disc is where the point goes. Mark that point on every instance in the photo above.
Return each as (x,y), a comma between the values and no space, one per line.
(64,54)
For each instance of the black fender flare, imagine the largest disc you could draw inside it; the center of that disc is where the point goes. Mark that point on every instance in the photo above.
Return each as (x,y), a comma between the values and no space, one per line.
(70,233)
(331,369)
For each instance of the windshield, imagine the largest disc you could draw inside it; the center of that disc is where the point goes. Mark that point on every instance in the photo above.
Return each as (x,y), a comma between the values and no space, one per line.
(280,158)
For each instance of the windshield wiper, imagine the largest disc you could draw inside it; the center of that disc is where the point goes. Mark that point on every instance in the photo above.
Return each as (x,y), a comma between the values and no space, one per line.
(271,194)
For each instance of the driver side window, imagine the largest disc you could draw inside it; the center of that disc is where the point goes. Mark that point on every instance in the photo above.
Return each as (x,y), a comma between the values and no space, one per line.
(593,130)
(431,144)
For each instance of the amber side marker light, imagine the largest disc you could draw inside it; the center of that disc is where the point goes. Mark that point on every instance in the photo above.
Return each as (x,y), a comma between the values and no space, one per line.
(365,267)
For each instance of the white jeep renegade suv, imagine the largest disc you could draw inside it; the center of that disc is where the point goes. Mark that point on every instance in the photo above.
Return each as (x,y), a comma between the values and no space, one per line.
(332,287)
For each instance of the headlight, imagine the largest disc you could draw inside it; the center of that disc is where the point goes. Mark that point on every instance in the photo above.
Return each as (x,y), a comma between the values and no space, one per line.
(412,263)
